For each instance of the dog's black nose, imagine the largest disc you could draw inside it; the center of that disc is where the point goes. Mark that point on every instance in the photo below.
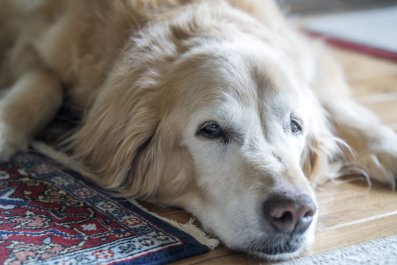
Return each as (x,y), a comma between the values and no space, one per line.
(289,213)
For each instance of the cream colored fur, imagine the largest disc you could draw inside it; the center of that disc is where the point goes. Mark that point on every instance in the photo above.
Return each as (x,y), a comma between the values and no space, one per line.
(147,74)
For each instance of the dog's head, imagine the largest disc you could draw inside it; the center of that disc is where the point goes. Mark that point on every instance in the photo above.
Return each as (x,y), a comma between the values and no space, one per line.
(228,131)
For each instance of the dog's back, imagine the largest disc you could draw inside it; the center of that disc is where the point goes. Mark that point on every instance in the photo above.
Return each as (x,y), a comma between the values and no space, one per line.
(77,40)
(72,37)
(8,33)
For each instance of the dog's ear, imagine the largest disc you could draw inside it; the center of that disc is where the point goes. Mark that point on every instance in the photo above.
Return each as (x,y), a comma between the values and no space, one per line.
(146,168)
(118,129)
(320,160)
(316,160)
(160,162)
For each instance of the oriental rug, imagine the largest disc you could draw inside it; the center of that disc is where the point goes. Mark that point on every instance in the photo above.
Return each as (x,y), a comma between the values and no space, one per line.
(50,215)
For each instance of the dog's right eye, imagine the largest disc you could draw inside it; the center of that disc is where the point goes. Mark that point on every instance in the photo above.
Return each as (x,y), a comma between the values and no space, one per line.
(211,130)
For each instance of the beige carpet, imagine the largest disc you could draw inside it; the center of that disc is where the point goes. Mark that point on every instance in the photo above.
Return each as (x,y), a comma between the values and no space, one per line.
(381,251)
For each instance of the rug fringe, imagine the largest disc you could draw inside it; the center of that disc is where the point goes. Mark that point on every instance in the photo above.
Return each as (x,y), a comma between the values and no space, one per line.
(52,153)
(188,228)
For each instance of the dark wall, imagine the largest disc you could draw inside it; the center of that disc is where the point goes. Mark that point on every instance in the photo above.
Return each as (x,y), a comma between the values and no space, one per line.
(298,7)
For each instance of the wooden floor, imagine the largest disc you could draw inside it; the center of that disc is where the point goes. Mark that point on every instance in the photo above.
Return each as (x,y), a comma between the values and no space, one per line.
(349,212)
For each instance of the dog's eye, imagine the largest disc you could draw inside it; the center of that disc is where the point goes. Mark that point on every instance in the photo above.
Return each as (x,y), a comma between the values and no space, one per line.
(210,130)
(296,127)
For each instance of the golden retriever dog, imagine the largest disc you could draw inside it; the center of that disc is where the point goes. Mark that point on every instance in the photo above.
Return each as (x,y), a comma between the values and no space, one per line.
(219,107)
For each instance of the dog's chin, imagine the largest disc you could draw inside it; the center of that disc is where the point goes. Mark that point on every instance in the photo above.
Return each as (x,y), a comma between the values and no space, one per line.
(275,250)
(278,256)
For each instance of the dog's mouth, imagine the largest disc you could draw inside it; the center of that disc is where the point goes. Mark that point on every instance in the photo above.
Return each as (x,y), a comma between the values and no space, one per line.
(276,249)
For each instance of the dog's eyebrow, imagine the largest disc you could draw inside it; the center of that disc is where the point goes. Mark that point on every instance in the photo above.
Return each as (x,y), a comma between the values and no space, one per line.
(262,82)
(233,135)
(264,89)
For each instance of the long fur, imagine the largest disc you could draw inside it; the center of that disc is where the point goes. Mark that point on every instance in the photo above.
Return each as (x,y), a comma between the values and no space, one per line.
(147,74)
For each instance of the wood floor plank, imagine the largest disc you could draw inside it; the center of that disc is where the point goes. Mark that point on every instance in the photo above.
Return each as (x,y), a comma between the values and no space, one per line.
(354,234)
(386,110)
(356,203)
(221,253)
(358,66)
(373,89)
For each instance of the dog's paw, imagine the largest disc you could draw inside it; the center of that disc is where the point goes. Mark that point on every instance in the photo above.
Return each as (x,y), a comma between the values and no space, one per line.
(381,161)
(10,144)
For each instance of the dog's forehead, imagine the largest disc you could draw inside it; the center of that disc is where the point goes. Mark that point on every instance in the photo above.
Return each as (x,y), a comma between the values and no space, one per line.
(239,79)
(251,82)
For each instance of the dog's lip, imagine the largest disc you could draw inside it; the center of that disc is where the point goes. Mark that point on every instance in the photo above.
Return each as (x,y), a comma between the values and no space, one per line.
(280,251)
(274,250)
(278,256)
(273,254)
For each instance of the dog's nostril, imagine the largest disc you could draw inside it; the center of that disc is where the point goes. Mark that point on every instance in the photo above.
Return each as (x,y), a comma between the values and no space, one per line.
(284,222)
(289,213)
(305,219)
(286,217)
(308,214)
(283,217)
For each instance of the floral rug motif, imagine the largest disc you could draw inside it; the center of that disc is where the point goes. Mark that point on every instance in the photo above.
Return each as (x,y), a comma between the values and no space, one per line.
(49,215)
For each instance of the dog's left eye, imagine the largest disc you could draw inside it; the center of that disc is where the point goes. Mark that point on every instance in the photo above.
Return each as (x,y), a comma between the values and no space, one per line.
(296,127)
(210,130)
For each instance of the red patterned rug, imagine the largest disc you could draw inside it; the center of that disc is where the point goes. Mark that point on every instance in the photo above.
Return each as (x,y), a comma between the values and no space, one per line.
(49,215)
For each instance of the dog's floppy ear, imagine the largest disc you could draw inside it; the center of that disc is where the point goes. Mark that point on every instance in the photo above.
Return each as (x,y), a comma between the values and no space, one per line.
(118,129)
(316,160)
(319,160)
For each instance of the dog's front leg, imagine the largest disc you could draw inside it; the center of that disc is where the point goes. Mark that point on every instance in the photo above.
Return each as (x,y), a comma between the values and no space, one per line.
(27,107)
(374,145)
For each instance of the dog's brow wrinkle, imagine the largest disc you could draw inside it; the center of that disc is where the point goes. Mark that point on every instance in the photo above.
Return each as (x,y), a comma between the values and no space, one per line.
(277,157)
(237,137)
